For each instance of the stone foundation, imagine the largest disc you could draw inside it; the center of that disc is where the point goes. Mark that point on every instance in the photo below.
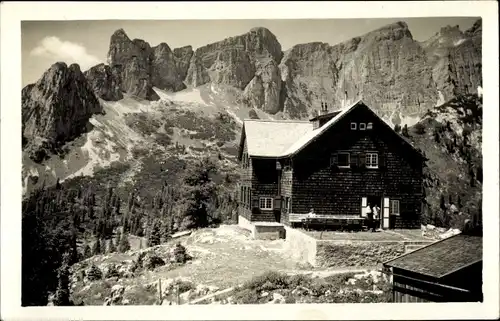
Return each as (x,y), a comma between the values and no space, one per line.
(340,253)
(263,230)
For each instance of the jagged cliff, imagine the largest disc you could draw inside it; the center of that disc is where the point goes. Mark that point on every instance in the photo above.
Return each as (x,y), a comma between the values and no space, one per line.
(56,109)
(393,72)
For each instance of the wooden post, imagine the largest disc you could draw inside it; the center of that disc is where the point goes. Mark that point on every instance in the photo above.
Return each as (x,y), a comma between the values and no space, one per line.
(159,291)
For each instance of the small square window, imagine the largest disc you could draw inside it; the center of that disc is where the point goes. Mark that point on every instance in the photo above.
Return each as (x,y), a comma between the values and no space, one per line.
(362,126)
(266,203)
(343,160)
(353,126)
(369,126)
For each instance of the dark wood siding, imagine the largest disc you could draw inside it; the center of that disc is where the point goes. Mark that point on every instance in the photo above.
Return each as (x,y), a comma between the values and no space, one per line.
(461,286)
(286,189)
(264,184)
(245,186)
(334,191)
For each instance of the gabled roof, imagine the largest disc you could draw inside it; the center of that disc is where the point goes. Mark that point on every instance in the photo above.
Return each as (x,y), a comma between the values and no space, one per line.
(442,258)
(268,138)
(278,139)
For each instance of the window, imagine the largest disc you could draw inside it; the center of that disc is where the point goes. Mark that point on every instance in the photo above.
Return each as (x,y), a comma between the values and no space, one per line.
(362,126)
(245,160)
(287,204)
(266,203)
(343,160)
(369,126)
(353,126)
(395,207)
(371,160)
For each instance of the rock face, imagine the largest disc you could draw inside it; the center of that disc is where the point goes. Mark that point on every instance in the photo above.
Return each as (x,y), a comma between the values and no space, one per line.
(105,82)
(57,108)
(386,67)
(456,58)
(144,67)
(248,62)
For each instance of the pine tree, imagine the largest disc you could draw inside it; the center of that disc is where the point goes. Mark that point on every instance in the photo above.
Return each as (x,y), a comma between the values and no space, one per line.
(155,235)
(96,248)
(450,200)
(405,131)
(87,252)
(442,204)
(124,244)
(111,246)
(459,201)
(62,295)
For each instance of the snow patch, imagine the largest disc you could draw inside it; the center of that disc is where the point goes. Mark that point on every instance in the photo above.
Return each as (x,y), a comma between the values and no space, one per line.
(458,42)
(480,91)
(441,99)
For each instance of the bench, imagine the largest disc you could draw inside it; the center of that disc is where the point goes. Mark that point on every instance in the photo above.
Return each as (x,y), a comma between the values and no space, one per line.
(328,221)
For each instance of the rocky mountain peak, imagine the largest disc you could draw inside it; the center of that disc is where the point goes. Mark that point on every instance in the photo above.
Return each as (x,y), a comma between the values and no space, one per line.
(56,109)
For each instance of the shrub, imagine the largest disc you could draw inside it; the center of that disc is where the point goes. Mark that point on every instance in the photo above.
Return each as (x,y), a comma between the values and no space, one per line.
(180,255)
(420,128)
(94,273)
(111,272)
(253,114)
(268,281)
(153,261)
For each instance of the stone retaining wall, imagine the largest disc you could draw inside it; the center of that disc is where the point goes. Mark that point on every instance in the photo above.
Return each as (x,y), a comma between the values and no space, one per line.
(324,253)
(356,253)
(300,246)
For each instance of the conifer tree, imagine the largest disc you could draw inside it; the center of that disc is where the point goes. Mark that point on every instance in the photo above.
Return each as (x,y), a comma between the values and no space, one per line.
(62,295)
(124,244)
(87,252)
(442,204)
(111,246)
(405,131)
(96,248)
(154,235)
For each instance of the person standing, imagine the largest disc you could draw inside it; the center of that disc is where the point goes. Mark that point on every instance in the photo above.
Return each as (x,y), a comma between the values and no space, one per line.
(369,215)
(376,210)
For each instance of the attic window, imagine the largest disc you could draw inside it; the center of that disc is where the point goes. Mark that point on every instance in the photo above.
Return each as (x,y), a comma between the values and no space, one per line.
(369,126)
(353,126)
(362,126)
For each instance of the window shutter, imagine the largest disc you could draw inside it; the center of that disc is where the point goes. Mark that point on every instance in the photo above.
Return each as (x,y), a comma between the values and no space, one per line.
(353,159)
(334,159)
(381,160)
(255,202)
(277,203)
(362,159)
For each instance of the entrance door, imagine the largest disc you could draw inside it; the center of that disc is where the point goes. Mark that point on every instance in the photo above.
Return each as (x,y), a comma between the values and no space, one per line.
(385,214)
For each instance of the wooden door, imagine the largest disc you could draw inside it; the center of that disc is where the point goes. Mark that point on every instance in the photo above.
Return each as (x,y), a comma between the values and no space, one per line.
(385,214)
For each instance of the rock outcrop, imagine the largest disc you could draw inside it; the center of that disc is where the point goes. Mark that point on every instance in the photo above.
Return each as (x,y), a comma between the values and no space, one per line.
(105,82)
(144,67)
(248,62)
(133,59)
(386,67)
(456,59)
(56,109)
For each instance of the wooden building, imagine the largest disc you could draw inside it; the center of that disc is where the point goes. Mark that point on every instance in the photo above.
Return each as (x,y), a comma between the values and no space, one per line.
(335,164)
(446,271)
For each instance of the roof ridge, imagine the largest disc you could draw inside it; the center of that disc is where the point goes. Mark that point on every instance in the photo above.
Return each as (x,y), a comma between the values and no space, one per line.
(276,120)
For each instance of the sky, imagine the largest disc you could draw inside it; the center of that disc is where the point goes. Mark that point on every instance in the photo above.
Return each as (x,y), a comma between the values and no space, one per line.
(86,42)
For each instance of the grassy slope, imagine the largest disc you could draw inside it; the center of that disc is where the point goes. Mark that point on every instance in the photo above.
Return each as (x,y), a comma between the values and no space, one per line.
(447,171)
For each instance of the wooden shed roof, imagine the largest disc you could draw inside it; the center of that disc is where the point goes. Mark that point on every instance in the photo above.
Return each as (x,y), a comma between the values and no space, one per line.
(443,257)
